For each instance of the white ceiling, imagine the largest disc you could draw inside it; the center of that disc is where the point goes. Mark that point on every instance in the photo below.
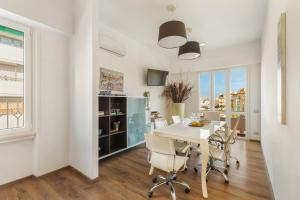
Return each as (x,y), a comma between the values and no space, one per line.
(220,23)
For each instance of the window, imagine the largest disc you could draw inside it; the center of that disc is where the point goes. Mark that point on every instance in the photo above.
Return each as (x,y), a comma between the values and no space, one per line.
(238,84)
(225,91)
(15,78)
(205,95)
(220,90)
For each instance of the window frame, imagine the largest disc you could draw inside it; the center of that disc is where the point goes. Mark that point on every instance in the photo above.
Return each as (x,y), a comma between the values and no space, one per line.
(23,132)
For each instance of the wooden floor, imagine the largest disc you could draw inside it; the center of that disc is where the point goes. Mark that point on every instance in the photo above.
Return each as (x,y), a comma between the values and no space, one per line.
(125,177)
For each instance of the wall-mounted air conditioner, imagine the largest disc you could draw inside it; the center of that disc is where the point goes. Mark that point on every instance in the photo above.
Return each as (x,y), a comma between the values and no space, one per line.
(111,44)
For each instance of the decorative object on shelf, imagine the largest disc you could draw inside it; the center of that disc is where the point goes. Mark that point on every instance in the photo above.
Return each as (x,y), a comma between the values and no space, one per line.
(146,94)
(172,34)
(191,50)
(111,80)
(105,92)
(119,95)
(116,126)
(115,109)
(281,69)
(178,93)
(101,113)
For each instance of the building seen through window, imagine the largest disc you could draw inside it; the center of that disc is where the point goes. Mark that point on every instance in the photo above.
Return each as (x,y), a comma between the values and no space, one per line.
(11,78)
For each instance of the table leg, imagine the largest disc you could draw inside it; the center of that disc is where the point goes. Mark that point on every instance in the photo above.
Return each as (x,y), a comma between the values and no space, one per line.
(204,159)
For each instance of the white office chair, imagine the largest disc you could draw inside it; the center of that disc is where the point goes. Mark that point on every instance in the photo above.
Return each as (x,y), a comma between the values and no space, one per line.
(162,156)
(212,116)
(220,150)
(180,146)
(176,119)
(160,123)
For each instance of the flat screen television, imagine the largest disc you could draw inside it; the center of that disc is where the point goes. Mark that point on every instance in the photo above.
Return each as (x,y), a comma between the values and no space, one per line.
(156,77)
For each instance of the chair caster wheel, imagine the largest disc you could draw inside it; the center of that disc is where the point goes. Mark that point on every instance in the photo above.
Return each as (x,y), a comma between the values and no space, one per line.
(206,180)
(154,180)
(150,194)
(238,163)
(195,169)
(226,171)
(187,190)
(227,165)
(227,181)
(185,169)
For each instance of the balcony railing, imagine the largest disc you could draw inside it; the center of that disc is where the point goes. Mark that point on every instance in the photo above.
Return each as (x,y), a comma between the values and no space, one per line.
(11,112)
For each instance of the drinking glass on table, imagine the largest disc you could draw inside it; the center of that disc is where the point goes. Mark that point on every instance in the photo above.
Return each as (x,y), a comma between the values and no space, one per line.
(194,116)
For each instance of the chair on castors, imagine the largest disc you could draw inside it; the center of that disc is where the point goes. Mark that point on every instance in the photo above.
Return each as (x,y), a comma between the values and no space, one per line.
(176,119)
(180,146)
(212,115)
(162,155)
(220,150)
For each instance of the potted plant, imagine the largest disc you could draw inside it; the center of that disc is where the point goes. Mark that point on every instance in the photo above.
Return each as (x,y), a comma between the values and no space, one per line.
(178,93)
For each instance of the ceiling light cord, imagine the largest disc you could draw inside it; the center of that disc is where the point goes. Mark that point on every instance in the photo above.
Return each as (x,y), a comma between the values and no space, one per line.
(189,33)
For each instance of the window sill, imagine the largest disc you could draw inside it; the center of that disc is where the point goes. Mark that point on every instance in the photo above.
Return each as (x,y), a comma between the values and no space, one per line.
(14,137)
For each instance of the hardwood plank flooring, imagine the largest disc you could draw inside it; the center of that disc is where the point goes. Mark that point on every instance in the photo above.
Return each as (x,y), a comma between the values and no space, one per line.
(125,177)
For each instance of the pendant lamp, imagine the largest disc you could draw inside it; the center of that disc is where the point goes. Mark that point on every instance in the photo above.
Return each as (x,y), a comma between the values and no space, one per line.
(189,51)
(172,34)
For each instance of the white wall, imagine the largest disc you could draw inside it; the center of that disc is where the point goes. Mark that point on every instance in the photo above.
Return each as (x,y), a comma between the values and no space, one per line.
(83,143)
(244,54)
(86,60)
(254,104)
(52,140)
(16,160)
(49,149)
(57,14)
(134,66)
(281,143)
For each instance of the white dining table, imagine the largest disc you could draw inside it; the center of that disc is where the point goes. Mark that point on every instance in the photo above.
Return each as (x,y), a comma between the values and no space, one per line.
(198,135)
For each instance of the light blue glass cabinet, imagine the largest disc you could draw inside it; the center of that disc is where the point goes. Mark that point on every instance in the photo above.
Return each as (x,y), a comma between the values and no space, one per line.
(136,120)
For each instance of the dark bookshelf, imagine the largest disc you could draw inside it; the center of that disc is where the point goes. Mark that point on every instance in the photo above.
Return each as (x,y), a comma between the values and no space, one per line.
(115,109)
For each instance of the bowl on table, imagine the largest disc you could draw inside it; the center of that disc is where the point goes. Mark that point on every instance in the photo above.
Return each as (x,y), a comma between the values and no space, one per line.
(196,124)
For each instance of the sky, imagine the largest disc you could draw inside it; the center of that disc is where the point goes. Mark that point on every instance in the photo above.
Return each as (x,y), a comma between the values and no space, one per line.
(238,80)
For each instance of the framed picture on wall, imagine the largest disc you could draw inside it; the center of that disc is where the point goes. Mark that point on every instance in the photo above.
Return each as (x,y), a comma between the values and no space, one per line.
(111,80)
(281,69)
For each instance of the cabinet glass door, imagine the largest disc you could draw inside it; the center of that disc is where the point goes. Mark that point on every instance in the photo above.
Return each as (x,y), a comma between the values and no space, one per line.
(136,116)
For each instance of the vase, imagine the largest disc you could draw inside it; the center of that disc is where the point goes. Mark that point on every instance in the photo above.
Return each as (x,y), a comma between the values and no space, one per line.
(178,109)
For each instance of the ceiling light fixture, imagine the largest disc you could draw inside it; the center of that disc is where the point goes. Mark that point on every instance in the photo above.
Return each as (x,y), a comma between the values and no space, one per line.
(172,34)
(191,50)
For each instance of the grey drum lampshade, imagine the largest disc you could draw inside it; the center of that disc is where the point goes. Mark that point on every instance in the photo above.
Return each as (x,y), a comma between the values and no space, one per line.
(172,34)
(189,51)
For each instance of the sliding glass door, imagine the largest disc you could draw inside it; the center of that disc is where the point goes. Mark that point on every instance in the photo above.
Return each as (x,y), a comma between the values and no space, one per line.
(224,91)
